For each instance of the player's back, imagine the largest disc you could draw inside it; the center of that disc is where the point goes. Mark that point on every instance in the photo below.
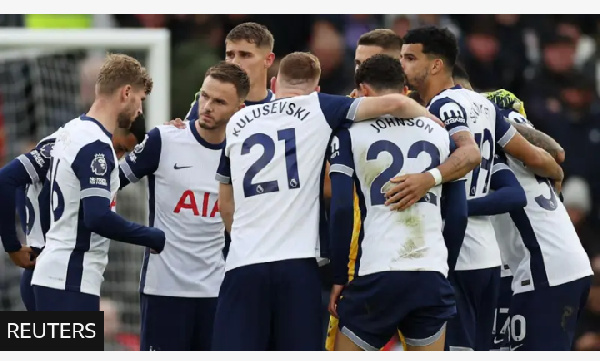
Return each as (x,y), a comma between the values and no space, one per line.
(551,252)
(399,241)
(480,249)
(276,151)
(36,210)
(74,258)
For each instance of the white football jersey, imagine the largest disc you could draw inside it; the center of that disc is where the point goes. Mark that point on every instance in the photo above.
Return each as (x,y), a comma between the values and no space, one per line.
(182,195)
(539,242)
(465,110)
(374,152)
(83,165)
(36,164)
(274,158)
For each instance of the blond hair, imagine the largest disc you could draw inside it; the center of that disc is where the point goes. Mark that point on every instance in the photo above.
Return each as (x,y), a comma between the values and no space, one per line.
(300,68)
(119,70)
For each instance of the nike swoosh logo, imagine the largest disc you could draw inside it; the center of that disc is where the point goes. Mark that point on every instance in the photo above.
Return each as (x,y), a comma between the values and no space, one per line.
(181,167)
(497,341)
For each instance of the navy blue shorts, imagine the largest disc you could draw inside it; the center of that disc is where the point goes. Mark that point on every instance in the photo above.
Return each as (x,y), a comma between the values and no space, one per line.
(52,299)
(270,306)
(27,295)
(501,332)
(374,307)
(545,319)
(176,323)
(476,294)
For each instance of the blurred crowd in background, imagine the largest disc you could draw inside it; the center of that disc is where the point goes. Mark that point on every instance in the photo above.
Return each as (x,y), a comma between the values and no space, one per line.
(551,62)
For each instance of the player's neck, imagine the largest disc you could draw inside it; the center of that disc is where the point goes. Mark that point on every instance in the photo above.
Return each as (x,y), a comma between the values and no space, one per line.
(380,93)
(258,92)
(104,114)
(435,87)
(212,136)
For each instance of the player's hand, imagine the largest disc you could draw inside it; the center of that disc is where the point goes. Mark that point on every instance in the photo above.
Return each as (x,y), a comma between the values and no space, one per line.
(354,94)
(159,245)
(177,123)
(507,100)
(334,297)
(558,186)
(408,190)
(24,258)
(560,157)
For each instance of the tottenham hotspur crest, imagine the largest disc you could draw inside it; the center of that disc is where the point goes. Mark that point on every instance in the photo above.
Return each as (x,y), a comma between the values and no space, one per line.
(99,165)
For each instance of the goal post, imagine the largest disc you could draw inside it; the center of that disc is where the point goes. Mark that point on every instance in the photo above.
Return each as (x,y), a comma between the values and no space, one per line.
(155,41)
(44,84)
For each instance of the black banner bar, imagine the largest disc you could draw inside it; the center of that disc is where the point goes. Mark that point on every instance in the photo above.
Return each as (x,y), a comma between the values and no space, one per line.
(51,331)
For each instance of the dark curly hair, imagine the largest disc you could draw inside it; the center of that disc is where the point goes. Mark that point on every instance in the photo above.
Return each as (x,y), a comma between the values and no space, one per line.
(381,72)
(437,42)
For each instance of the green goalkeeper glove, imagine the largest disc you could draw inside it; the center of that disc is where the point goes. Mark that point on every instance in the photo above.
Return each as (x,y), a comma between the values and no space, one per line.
(506,100)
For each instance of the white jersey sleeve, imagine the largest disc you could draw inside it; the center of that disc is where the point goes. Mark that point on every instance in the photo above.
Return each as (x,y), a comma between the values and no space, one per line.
(83,165)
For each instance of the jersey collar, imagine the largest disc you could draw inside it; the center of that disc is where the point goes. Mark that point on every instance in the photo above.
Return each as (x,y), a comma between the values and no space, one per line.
(202,140)
(443,90)
(90,119)
(267,99)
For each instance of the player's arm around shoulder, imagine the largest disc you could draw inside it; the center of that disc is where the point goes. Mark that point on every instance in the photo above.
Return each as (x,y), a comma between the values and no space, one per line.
(467,155)
(397,105)
(464,159)
(507,195)
(535,158)
(513,110)
(410,188)
(536,137)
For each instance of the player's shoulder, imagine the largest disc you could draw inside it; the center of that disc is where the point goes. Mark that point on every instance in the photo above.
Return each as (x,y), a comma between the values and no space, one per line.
(46,144)
(50,138)
(471,94)
(429,126)
(515,117)
(169,131)
(83,132)
(449,110)
(432,132)
(442,99)
(459,95)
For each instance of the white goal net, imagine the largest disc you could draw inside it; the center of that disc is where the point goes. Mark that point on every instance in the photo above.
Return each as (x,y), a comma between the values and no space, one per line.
(46,79)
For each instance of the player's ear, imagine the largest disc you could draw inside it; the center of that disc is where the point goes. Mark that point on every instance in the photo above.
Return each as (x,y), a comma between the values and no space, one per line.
(242,105)
(318,89)
(364,90)
(269,60)
(126,91)
(437,66)
(405,90)
(273,82)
